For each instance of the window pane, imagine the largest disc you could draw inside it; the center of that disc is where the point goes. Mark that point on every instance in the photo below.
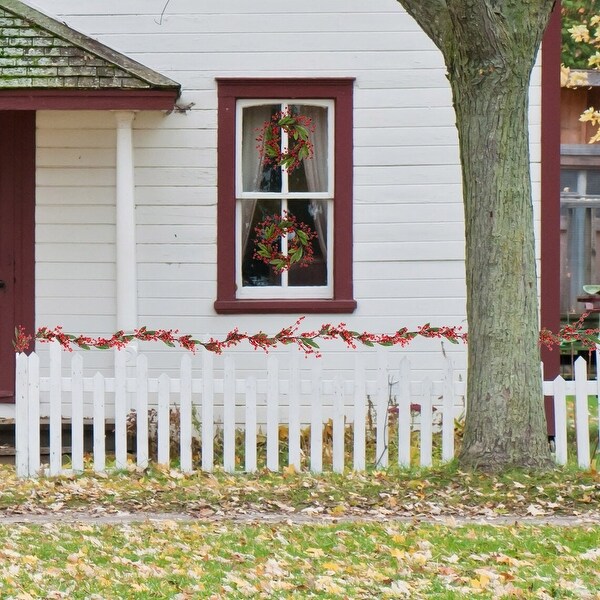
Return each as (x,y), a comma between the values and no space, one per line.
(255,272)
(568,181)
(593,182)
(314,214)
(257,176)
(312,175)
(578,256)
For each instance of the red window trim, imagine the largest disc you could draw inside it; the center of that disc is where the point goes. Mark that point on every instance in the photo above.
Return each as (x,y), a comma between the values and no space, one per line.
(340,90)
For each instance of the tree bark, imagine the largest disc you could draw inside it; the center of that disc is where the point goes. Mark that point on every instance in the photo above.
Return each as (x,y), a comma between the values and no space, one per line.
(489,48)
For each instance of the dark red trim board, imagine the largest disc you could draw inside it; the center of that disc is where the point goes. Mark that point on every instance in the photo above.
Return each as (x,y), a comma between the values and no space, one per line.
(32,99)
(550,213)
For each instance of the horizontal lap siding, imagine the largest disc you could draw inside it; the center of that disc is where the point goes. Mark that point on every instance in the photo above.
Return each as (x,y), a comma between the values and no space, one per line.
(409,241)
(75,221)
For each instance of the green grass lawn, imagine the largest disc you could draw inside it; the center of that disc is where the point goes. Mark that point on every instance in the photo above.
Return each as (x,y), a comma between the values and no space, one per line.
(349,560)
(343,542)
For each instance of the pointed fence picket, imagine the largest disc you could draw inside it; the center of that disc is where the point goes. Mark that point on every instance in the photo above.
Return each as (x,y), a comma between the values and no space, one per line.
(578,412)
(186,406)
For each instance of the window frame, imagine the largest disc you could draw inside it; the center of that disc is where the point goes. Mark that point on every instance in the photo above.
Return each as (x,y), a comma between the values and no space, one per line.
(338,90)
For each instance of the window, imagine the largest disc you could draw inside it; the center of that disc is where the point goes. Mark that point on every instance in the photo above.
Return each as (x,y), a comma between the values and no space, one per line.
(580,234)
(318,194)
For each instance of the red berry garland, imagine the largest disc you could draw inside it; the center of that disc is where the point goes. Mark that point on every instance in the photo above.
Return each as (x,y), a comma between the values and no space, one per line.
(298,128)
(268,237)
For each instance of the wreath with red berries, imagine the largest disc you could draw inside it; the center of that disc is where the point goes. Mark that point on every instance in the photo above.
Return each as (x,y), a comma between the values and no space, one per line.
(269,233)
(298,129)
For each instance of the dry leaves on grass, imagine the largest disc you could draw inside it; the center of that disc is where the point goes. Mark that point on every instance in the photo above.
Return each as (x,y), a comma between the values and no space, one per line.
(194,560)
(429,493)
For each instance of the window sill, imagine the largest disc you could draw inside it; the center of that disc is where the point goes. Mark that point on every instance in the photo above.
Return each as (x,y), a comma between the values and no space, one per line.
(304,306)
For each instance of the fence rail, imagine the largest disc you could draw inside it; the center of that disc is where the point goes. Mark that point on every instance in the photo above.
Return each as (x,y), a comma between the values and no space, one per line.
(209,407)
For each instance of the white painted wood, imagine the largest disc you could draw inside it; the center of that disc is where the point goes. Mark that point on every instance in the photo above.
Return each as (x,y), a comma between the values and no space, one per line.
(120,409)
(582,426)
(164,420)
(99,424)
(338,425)
(314,387)
(294,411)
(141,409)
(22,417)
(360,416)
(448,413)
(207,411)
(426,425)
(272,414)
(381,410)
(55,409)
(250,435)
(125,223)
(77,413)
(560,420)
(316,422)
(186,416)
(229,415)
(33,416)
(404,414)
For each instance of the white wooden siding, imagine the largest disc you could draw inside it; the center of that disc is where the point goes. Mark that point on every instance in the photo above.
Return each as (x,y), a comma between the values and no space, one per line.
(409,244)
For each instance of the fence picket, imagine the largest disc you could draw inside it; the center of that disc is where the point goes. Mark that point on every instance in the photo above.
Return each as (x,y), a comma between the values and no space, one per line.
(141,410)
(55,409)
(404,415)
(120,409)
(294,411)
(22,447)
(99,423)
(208,398)
(426,425)
(316,422)
(448,413)
(77,413)
(382,396)
(582,426)
(31,388)
(33,394)
(338,425)
(164,420)
(250,434)
(560,420)
(360,416)
(229,416)
(272,414)
(185,414)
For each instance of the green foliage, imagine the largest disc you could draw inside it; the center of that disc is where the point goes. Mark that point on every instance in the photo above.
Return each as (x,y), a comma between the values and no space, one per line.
(577,12)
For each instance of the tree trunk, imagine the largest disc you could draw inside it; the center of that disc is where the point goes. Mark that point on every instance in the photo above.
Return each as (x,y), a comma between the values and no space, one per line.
(505,425)
(489,52)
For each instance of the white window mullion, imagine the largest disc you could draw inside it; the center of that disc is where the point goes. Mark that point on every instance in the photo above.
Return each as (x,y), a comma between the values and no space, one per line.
(285,187)
(284,245)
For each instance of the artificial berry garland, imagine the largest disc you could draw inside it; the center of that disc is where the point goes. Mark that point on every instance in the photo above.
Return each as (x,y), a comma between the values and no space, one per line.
(306,341)
(268,237)
(298,128)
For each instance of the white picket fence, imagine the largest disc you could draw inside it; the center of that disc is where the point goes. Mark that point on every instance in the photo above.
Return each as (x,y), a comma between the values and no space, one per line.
(581,388)
(195,399)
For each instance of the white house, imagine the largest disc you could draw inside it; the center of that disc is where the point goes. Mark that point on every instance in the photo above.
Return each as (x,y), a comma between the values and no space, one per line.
(129,170)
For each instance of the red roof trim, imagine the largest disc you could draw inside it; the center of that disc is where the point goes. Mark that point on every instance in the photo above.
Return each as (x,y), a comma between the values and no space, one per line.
(72,99)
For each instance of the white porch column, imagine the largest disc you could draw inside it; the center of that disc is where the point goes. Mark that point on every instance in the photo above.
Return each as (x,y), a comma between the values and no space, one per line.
(125,216)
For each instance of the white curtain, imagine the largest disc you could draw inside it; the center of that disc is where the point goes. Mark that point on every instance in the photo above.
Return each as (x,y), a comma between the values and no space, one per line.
(317,169)
(253,119)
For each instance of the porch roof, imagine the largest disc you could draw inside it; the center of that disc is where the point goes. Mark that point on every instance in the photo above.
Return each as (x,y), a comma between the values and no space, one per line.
(44,64)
